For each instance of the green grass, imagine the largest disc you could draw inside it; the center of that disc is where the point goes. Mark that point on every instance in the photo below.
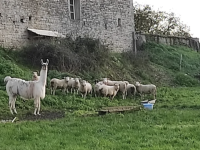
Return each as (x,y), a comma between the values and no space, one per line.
(172,124)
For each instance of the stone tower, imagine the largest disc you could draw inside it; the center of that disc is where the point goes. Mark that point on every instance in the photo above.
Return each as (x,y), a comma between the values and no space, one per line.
(111,21)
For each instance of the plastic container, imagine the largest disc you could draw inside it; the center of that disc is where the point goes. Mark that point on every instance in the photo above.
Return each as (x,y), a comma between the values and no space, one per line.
(148,105)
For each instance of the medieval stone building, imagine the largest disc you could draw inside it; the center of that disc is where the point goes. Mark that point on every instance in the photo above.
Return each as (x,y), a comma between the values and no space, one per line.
(111,21)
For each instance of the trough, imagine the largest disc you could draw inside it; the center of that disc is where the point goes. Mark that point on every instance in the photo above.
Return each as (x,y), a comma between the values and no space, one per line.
(105,110)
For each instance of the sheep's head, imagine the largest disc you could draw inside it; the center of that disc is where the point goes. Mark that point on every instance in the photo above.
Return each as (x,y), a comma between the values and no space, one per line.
(105,80)
(83,83)
(67,79)
(77,80)
(35,74)
(116,86)
(96,81)
(137,84)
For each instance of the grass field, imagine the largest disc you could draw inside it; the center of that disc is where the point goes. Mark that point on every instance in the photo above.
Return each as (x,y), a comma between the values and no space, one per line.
(172,124)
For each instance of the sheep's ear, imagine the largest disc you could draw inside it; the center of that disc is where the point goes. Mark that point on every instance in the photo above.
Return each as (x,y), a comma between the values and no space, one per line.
(47,61)
(41,61)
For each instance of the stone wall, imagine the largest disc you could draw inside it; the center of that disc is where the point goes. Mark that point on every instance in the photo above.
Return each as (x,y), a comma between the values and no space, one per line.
(168,40)
(98,19)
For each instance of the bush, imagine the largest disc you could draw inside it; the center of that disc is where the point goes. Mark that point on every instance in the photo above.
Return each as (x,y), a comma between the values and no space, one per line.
(82,54)
(182,79)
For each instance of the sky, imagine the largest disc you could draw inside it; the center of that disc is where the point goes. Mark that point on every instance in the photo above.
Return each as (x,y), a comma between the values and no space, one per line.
(187,11)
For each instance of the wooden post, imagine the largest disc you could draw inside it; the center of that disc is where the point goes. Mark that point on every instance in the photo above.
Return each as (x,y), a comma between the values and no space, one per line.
(134,43)
(180,62)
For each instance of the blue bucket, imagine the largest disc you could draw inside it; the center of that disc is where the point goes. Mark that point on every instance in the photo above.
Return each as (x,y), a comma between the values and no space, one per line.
(148,105)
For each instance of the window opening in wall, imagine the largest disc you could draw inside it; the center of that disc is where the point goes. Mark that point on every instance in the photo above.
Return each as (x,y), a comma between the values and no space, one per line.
(119,22)
(29,18)
(22,20)
(74,9)
(0,15)
(106,26)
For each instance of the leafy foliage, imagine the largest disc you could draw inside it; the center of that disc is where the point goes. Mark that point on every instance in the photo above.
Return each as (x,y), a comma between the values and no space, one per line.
(76,56)
(158,22)
(185,80)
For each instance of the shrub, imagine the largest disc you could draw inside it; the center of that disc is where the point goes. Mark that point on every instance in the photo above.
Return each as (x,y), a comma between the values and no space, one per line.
(182,79)
(80,55)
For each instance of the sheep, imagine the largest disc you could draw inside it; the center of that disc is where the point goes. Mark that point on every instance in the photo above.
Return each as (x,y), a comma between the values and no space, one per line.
(97,88)
(110,91)
(27,89)
(35,76)
(146,89)
(85,88)
(122,85)
(73,84)
(76,85)
(58,84)
(131,89)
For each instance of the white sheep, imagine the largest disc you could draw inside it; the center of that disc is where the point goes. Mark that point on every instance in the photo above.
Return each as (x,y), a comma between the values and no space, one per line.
(131,89)
(76,85)
(110,91)
(146,89)
(97,88)
(35,76)
(58,84)
(27,89)
(73,84)
(122,85)
(85,88)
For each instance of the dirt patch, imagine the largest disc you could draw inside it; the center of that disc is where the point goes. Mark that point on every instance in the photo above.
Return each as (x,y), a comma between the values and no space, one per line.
(45,115)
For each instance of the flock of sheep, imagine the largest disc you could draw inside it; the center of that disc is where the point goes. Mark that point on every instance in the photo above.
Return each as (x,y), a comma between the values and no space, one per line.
(103,87)
(36,89)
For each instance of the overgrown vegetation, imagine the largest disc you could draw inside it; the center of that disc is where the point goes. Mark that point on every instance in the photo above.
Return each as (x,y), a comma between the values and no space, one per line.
(172,124)
(158,22)
(82,54)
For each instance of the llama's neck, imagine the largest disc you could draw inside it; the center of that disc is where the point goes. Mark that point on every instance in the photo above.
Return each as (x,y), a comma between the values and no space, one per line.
(43,77)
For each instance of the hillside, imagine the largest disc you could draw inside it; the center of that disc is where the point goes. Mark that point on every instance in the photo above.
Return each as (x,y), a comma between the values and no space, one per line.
(68,121)
(158,64)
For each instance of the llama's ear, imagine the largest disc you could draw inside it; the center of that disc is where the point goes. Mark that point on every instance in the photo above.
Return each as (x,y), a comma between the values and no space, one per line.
(41,61)
(47,61)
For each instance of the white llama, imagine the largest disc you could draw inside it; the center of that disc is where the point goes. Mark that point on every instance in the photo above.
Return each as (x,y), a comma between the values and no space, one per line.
(27,89)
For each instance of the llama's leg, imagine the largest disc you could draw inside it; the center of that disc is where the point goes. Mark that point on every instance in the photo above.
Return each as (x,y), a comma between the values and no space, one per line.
(35,105)
(10,104)
(38,110)
(13,104)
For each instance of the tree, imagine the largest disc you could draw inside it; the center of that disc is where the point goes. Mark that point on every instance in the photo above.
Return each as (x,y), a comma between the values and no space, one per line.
(150,21)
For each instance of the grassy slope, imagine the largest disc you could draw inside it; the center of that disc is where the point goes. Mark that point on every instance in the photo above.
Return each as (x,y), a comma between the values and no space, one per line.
(173,124)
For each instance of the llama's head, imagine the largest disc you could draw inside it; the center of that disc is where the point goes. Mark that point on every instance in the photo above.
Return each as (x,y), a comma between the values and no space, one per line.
(44,65)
